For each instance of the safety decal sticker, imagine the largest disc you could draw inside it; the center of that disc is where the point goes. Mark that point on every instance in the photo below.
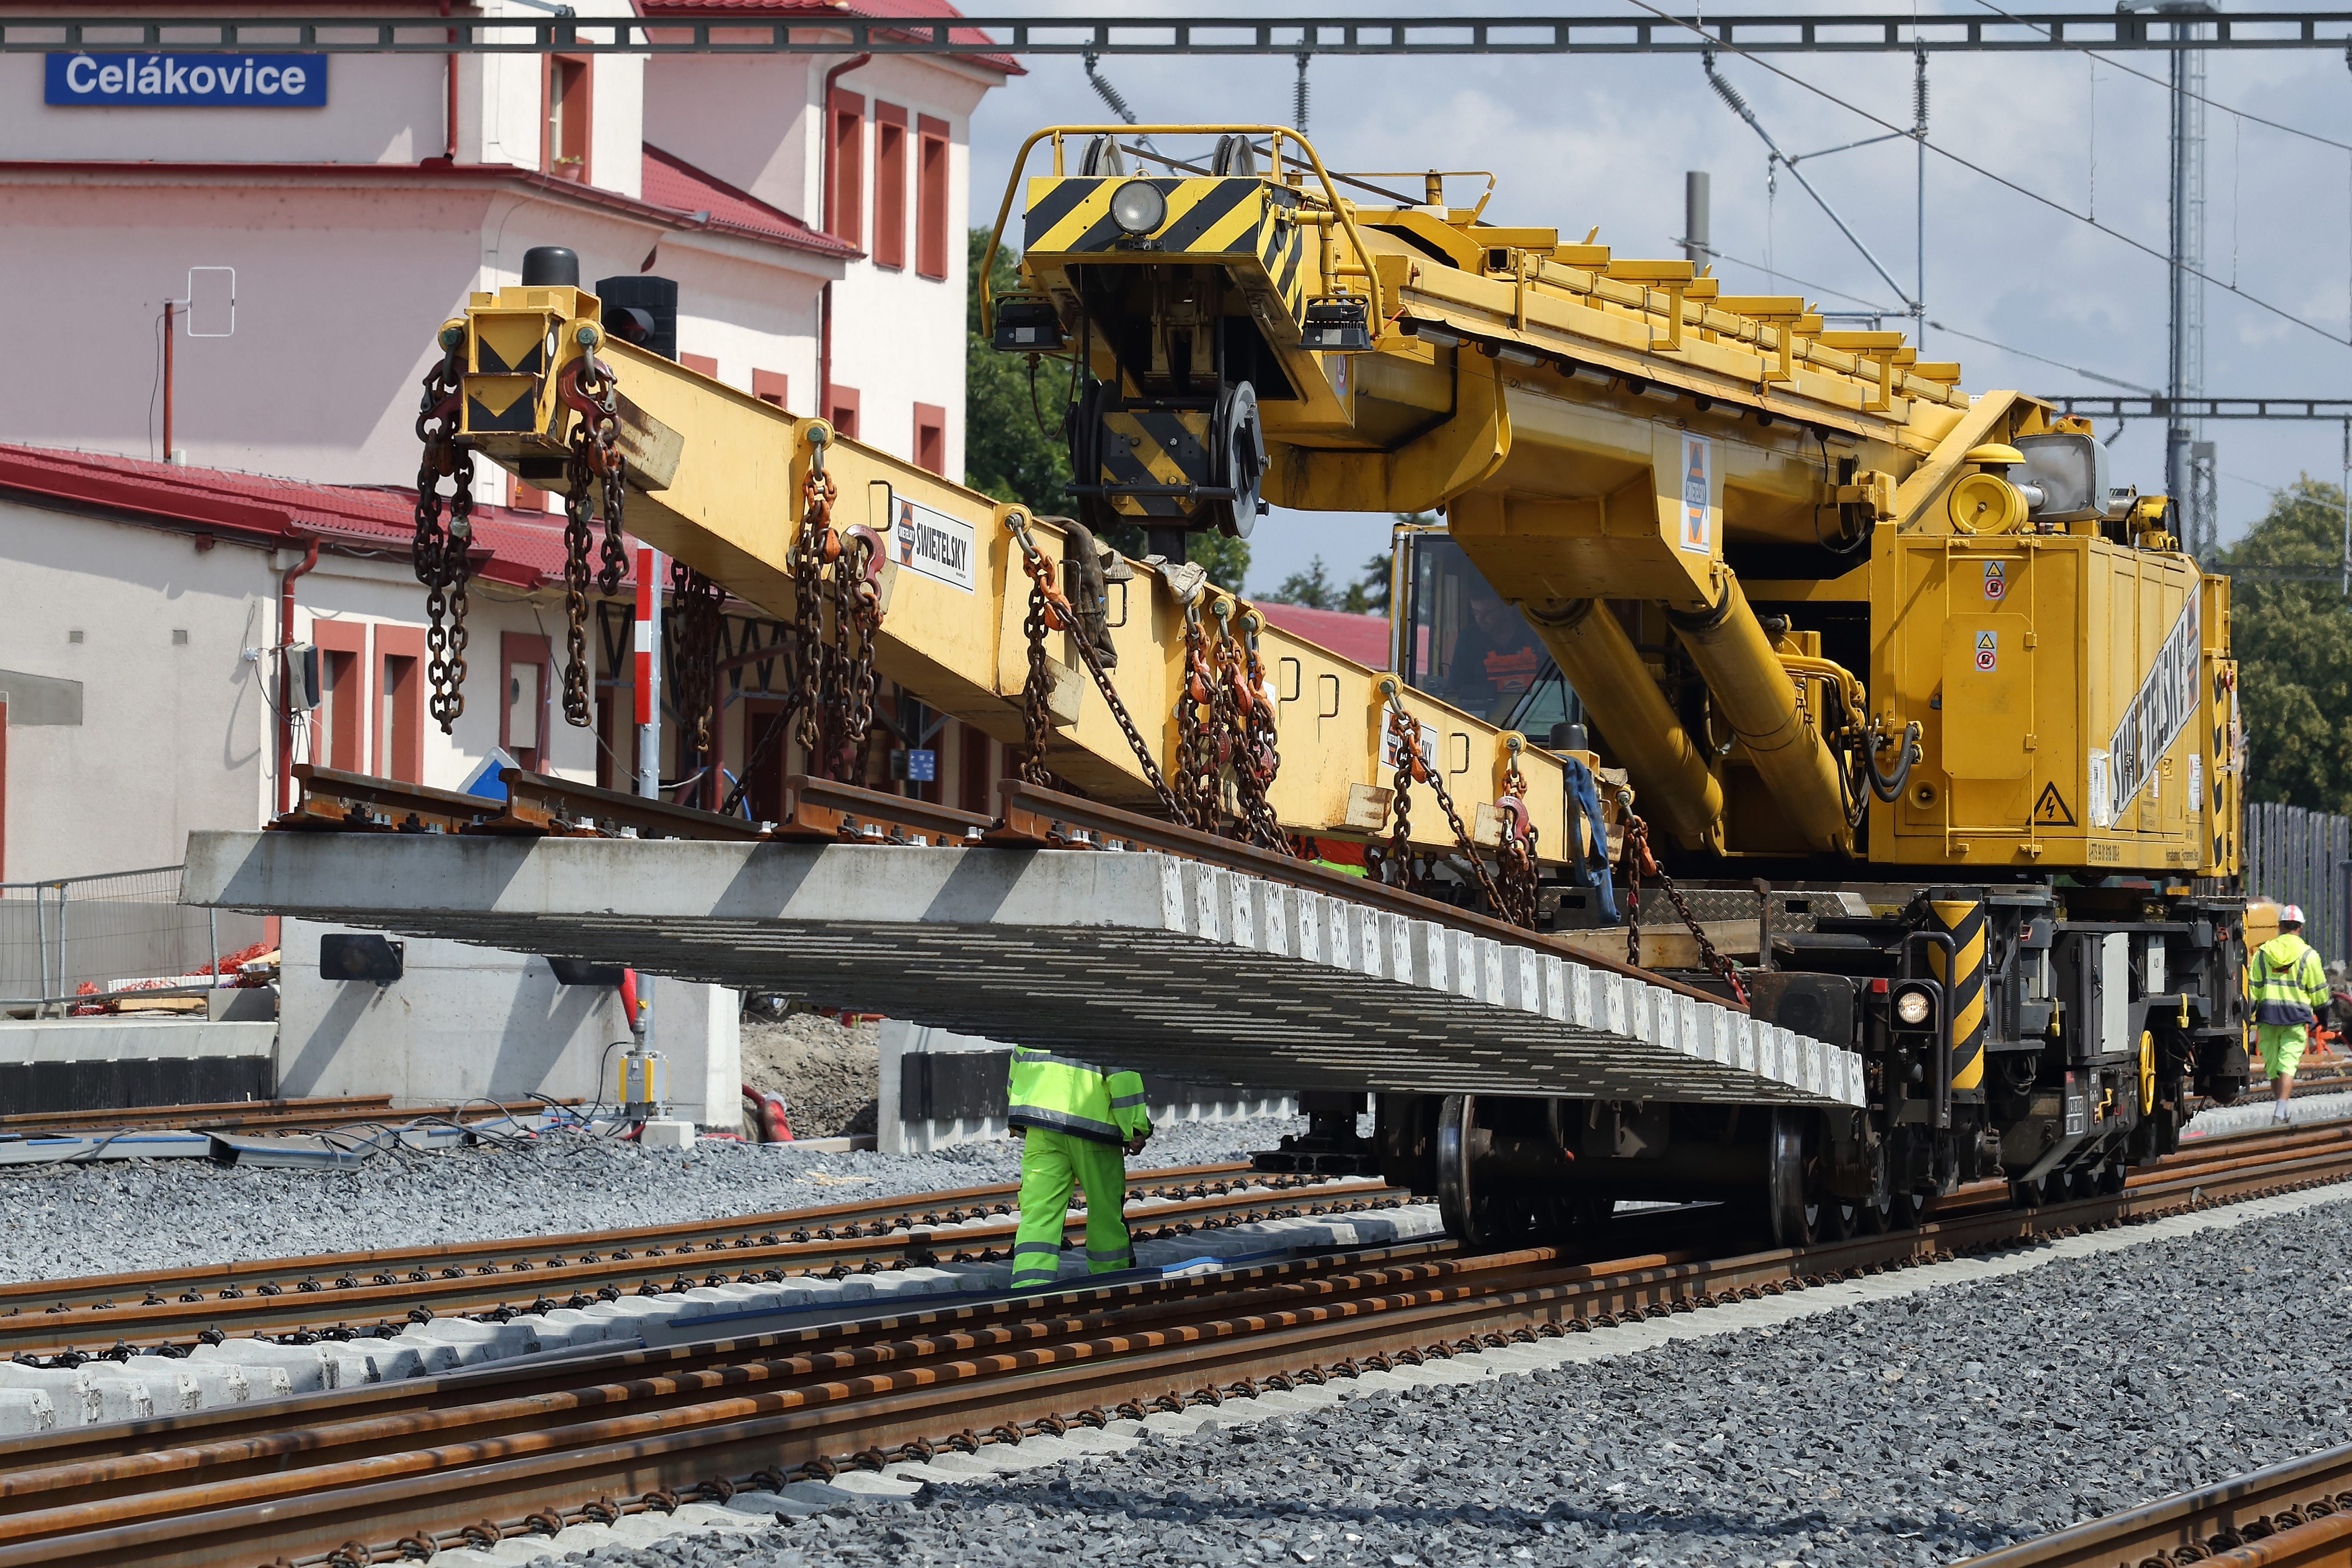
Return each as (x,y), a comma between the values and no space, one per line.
(2196,782)
(1996,579)
(1988,651)
(2050,810)
(1698,527)
(2103,813)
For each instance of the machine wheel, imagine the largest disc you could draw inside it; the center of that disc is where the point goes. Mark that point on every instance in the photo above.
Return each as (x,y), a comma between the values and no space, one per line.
(2034,1194)
(1478,1211)
(2110,1178)
(1241,453)
(1787,1214)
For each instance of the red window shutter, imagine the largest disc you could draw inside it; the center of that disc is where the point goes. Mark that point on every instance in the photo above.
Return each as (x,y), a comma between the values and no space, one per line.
(847,151)
(931,438)
(889,185)
(931,215)
(843,414)
(771,386)
(701,365)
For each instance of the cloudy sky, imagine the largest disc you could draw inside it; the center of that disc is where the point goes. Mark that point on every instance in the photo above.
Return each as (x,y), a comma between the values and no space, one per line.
(1576,142)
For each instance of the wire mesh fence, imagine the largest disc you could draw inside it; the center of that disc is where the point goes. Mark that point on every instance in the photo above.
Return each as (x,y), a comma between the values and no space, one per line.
(2299,857)
(61,935)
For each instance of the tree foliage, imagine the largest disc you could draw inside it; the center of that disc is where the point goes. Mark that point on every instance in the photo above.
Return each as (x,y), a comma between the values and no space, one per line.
(2293,645)
(1014,447)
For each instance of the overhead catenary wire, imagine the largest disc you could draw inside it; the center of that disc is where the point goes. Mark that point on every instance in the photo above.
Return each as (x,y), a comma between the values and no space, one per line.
(2002,180)
(2045,359)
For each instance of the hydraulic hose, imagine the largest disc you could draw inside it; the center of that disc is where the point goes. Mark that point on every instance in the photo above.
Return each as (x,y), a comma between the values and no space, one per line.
(1890,788)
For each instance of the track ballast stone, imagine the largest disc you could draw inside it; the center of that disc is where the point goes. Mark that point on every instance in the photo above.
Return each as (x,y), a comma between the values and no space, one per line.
(68,1221)
(1912,1430)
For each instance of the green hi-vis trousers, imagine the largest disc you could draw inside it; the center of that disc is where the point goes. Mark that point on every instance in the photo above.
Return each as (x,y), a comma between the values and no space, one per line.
(1051,1165)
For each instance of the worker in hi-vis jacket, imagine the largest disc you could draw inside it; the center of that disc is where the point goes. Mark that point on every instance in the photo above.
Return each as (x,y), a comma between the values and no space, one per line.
(1077,1124)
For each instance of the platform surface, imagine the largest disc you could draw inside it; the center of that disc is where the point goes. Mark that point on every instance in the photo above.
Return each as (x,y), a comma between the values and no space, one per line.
(1132,959)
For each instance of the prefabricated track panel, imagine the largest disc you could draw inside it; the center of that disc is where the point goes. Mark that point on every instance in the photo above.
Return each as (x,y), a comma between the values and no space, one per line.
(1140,959)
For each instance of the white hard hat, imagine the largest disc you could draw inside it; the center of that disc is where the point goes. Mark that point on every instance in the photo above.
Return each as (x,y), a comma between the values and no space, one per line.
(2291,915)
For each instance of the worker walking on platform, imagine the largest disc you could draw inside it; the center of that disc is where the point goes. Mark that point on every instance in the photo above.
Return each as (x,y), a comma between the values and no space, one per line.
(1077,1123)
(2290,990)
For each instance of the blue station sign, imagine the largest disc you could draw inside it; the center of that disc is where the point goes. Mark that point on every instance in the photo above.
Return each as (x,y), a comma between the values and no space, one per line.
(86,79)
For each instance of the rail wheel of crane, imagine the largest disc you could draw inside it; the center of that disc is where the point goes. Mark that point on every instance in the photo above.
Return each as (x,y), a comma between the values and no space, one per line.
(2109,1180)
(2034,1194)
(1875,1215)
(1240,450)
(1789,1212)
(1474,1210)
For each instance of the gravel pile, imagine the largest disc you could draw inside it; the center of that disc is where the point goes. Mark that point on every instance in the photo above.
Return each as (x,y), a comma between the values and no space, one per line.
(67,1220)
(829,1073)
(1916,1430)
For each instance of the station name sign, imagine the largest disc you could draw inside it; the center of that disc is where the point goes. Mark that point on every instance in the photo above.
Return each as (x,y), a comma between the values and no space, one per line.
(87,79)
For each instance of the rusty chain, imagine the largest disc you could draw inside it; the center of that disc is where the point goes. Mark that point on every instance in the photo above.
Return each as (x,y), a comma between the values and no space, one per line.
(1396,866)
(815,546)
(1408,733)
(858,626)
(1196,757)
(1259,758)
(441,553)
(592,471)
(1638,858)
(694,652)
(1517,874)
(1049,610)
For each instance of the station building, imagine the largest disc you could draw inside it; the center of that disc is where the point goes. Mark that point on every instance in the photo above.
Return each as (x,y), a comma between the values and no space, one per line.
(303,234)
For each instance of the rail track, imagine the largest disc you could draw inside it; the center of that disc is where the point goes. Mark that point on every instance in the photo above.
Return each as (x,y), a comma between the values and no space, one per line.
(326,1113)
(342,1295)
(2297,1514)
(399,1469)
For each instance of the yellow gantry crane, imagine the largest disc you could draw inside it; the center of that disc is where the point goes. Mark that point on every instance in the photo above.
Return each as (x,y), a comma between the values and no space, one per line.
(1838,622)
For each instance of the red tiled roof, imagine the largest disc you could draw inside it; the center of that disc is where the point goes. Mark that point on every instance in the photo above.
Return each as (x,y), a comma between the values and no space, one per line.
(678,182)
(1364,639)
(817,10)
(526,549)
(672,181)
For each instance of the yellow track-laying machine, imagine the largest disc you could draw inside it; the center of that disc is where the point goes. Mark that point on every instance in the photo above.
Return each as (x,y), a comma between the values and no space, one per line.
(1714,616)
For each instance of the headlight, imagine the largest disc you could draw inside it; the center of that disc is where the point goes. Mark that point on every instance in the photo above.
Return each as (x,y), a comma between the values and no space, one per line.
(1138,206)
(1911,1008)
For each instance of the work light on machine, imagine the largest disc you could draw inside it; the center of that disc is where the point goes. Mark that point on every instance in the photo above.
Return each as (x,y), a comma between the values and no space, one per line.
(1139,206)
(1914,1006)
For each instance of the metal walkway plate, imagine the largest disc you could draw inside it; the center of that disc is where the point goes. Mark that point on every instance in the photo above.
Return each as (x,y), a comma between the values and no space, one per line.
(1141,960)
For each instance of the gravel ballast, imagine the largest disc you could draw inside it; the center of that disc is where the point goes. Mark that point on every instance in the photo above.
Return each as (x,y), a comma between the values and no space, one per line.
(63,1222)
(1917,1428)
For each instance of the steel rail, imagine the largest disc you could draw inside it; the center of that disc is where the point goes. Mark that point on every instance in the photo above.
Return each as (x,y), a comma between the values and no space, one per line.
(284,1116)
(763,1411)
(501,1279)
(688,30)
(2297,1513)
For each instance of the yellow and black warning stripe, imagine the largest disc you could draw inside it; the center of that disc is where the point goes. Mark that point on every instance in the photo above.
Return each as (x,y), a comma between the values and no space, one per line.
(496,404)
(1071,216)
(1964,992)
(1154,448)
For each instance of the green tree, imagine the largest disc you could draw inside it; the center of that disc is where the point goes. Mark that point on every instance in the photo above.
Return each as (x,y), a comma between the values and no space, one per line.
(1311,588)
(1013,444)
(2294,643)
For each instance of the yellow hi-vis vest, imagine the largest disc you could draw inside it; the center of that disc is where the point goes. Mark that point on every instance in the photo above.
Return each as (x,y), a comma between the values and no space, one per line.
(1079,1097)
(2290,987)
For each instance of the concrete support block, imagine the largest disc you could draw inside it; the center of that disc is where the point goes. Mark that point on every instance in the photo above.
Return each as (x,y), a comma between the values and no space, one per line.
(668,1134)
(26,1412)
(301,1369)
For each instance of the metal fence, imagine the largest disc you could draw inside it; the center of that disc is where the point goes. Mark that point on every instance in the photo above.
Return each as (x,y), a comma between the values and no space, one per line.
(2299,857)
(59,935)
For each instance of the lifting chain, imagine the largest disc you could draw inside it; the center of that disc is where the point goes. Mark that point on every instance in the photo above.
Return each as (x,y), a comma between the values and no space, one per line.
(1396,866)
(1049,610)
(815,547)
(1196,730)
(1259,759)
(1408,733)
(1517,875)
(592,472)
(441,564)
(694,652)
(856,627)
(1638,859)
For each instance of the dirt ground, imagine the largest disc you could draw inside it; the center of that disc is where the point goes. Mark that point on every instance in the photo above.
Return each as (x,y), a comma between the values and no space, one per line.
(830,1075)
